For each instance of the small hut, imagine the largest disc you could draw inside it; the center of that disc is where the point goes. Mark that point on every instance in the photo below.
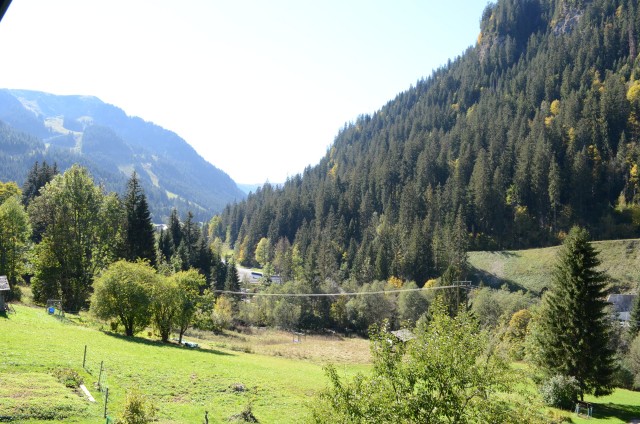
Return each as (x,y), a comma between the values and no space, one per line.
(4,287)
(622,305)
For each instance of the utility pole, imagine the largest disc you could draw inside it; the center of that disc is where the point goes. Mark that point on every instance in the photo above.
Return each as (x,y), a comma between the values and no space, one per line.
(461,284)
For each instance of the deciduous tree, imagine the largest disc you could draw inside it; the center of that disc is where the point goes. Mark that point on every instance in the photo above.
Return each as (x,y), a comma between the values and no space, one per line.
(77,240)
(446,374)
(164,305)
(123,292)
(14,237)
(188,283)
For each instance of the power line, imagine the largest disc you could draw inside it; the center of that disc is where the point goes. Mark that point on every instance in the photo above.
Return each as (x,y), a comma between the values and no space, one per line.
(339,294)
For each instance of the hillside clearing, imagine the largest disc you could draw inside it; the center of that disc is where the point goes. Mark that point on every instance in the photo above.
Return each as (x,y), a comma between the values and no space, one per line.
(531,269)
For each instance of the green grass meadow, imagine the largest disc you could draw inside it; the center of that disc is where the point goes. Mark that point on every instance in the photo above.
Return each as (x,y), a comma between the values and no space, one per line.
(183,383)
(531,269)
(278,378)
(620,407)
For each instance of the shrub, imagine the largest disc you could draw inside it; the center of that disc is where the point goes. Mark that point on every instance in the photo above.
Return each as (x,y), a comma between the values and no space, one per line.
(15,293)
(68,377)
(138,409)
(560,391)
(246,416)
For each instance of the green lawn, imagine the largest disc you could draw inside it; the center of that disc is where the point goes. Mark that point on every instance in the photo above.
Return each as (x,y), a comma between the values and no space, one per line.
(183,383)
(620,407)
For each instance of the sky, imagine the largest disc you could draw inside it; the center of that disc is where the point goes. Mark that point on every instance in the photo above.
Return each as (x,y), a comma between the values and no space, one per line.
(260,88)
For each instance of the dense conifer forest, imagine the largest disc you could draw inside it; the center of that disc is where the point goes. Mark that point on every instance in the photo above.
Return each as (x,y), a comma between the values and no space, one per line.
(533,129)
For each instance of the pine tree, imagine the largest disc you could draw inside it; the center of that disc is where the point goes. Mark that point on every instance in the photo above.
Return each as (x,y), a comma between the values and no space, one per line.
(139,236)
(232,282)
(190,236)
(165,246)
(36,179)
(634,319)
(175,229)
(574,329)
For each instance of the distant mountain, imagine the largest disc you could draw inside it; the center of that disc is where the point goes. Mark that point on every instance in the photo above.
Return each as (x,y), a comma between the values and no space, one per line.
(40,127)
(530,131)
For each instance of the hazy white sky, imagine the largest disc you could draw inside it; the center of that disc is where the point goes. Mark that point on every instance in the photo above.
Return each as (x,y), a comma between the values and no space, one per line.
(259,88)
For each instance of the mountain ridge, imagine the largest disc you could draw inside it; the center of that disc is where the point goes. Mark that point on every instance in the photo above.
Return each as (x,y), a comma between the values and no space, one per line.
(84,129)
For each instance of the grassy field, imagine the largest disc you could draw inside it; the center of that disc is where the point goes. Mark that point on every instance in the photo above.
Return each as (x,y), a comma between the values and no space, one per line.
(183,383)
(531,269)
(263,368)
(620,407)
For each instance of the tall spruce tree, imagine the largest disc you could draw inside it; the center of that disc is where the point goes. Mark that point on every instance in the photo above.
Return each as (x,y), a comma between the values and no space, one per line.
(175,229)
(232,281)
(139,237)
(634,321)
(574,336)
(36,179)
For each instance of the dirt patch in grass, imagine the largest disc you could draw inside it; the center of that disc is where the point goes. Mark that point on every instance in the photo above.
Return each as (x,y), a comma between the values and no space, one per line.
(315,348)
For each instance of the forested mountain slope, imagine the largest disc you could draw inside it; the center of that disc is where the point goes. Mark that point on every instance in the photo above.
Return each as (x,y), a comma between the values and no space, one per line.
(37,126)
(532,130)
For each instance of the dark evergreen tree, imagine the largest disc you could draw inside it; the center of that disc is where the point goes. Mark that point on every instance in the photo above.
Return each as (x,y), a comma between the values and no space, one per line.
(634,318)
(165,246)
(574,328)
(190,237)
(175,229)
(232,281)
(36,179)
(204,258)
(139,235)
(218,275)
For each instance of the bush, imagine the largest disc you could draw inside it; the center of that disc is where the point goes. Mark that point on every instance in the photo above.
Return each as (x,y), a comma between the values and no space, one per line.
(68,377)
(246,416)
(560,391)
(15,294)
(138,409)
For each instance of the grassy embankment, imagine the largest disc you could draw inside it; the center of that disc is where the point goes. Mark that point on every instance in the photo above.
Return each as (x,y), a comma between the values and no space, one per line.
(531,269)
(183,383)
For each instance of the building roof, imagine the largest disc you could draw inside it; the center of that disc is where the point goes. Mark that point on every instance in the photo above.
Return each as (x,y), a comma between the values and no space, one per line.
(4,283)
(622,302)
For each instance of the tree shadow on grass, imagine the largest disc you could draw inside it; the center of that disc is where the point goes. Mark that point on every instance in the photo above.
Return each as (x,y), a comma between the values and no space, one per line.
(492,280)
(169,345)
(506,253)
(615,410)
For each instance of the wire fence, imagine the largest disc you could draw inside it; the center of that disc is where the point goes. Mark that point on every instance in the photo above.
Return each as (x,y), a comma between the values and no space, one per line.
(98,369)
